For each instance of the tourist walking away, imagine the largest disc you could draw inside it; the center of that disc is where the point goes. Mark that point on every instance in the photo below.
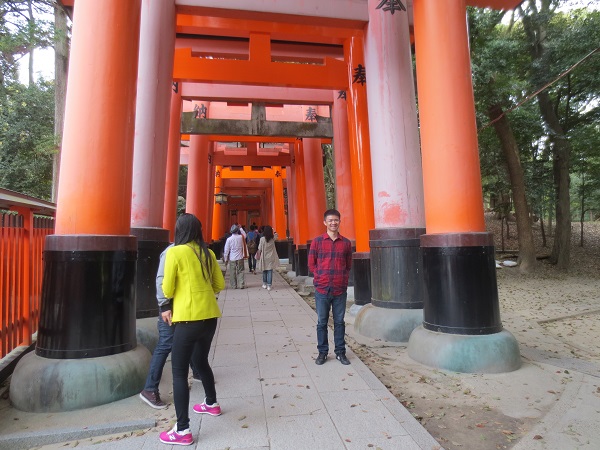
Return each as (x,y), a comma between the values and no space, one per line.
(151,394)
(233,254)
(267,256)
(252,240)
(330,259)
(192,277)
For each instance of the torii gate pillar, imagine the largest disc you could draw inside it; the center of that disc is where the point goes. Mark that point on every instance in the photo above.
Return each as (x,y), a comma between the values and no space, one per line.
(157,42)
(360,163)
(396,307)
(87,330)
(461,329)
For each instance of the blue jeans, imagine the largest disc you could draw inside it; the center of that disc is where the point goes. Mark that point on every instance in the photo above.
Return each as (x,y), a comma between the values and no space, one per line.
(268,277)
(160,355)
(191,342)
(337,305)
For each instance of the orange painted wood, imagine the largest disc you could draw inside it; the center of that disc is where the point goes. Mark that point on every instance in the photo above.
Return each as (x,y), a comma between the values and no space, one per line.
(279,207)
(300,192)
(259,69)
(94,192)
(451,172)
(172,170)
(360,155)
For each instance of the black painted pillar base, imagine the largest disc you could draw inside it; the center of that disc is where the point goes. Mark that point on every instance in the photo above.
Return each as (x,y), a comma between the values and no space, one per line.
(86,353)
(151,243)
(294,258)
(361,262)
(302,263)
(290,251)
(396,285)
(88,296)
(461,328)
(351,275)
(282,248)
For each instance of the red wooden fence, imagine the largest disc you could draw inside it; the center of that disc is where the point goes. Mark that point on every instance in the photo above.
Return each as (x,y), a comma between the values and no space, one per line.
(22,235)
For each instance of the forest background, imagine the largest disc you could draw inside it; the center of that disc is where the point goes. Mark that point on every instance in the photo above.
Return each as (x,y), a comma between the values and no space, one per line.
(537,95)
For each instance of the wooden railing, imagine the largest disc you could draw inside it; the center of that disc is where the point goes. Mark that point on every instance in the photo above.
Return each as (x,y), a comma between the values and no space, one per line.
(24,224)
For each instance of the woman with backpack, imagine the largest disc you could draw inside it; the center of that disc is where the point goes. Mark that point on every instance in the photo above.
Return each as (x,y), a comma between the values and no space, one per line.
(252,239)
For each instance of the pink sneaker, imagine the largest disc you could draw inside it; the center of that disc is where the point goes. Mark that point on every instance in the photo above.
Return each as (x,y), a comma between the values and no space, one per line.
(175,437)
(203,408)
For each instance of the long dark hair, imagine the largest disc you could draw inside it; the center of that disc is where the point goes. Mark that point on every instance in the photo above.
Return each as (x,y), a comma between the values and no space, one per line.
(268,232)
(189,229)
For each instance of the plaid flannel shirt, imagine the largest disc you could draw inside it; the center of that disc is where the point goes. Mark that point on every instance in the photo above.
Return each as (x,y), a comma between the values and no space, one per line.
(330,262)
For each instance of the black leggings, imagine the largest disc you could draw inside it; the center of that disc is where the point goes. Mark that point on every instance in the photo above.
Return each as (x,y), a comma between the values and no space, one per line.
(191,340)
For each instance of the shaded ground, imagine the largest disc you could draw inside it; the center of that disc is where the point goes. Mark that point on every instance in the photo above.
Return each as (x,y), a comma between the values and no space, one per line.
(556,319)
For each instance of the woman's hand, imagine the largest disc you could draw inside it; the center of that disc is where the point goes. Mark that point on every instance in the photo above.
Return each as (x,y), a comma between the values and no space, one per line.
(167,316)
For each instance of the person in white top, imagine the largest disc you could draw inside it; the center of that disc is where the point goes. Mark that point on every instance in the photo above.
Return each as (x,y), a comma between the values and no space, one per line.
(233,254)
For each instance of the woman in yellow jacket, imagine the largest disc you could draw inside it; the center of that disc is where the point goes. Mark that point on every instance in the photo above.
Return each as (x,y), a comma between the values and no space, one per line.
(192,278)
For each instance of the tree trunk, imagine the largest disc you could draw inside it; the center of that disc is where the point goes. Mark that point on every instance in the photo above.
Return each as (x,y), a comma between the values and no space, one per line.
(561,249)
(527,261)
(31,45)
(535,24)
(582,217)
(61,64)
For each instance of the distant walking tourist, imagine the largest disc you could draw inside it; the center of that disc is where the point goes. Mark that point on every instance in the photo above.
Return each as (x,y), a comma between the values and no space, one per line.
(151,394)
(267,256)
(330,259)
(192,278)
(252,239)
(233,254)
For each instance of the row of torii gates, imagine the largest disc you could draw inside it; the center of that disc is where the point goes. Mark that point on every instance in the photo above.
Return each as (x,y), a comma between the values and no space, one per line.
(410,195)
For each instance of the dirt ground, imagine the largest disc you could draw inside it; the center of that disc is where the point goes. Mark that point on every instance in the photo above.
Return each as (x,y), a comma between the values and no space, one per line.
(555,317)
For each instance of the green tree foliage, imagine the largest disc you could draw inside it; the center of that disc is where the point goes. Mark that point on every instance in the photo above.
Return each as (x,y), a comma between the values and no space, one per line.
(539,65)
(27,139)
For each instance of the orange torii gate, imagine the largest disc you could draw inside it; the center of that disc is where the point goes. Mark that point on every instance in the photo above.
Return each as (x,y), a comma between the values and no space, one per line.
(423,257)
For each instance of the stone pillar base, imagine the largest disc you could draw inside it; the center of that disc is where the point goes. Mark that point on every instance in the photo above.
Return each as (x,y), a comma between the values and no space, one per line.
(44,385)
(489,353)
(392,325)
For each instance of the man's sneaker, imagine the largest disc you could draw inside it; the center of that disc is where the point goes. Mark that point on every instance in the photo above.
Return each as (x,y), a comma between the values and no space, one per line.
(175,437)
(153,399)
(321,359)
(268,288)
(203,408)
(342,358)
(264,286)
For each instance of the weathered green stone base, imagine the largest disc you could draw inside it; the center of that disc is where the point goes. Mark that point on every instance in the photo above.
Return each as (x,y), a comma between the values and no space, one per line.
(55,385)
(392,325)
(487,353)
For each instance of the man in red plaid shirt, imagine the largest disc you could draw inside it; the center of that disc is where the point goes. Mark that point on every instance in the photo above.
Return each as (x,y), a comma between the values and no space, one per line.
(330,259)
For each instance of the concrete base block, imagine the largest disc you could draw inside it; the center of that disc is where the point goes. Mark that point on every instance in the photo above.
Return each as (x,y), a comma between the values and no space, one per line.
(488,353)
(392,325)
(355,309)
(147,332)
(298,281)
(56,385)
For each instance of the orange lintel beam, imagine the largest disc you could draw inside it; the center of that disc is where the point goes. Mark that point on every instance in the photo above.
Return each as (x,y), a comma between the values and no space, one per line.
(276,139)
(495,4)
(266,161)
(249,173)
(322,30)
(259,70)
